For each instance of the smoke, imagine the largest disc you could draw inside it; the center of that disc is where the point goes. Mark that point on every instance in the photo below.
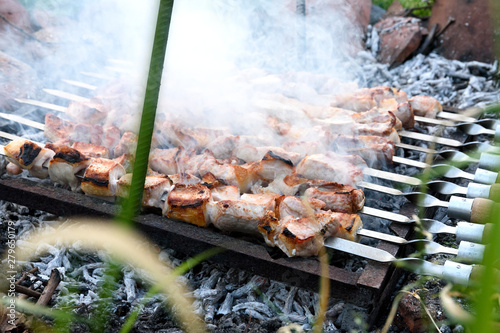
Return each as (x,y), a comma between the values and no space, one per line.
(222,56)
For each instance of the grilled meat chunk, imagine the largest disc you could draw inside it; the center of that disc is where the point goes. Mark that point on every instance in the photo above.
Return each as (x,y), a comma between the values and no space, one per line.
(402,110)
(91,150)
(89,112)
(188,203)
(322,166)
(164,160)
(304,236)
(349,224)
(28,155)
(381,98)
(111,138)
(225,192)
(285,185)
(58,130)
(223,146)
(375,150)
(101,177)
(184,178)
(425,106)
(249,153)
(65,164)
(241,215)
(337,197)
(297,207)
(230,174)
(272,166)
(155,189)
(13,169)
(127,144)
(303,148)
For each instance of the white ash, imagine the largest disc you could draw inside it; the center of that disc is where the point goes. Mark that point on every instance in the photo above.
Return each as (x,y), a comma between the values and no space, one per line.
(452,82)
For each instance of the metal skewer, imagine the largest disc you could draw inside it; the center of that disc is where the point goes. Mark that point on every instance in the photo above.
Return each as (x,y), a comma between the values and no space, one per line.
(80,84)
(438,140)
(474,210)
(66,95)
(468,251)
(452,271)
(467,231)
(487,123)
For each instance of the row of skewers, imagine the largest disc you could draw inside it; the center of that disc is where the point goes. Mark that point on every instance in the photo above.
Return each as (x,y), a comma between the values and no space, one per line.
(275,170)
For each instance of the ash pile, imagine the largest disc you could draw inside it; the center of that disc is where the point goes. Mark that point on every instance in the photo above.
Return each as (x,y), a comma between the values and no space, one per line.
(230,299)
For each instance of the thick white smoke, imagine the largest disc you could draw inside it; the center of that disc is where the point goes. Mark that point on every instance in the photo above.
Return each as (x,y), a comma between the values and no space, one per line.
(221,55)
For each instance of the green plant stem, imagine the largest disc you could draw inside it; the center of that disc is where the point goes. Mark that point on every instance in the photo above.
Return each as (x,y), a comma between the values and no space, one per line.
(132,204)
(484,314)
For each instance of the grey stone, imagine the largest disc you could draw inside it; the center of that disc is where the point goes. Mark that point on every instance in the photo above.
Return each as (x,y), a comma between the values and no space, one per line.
(376,14)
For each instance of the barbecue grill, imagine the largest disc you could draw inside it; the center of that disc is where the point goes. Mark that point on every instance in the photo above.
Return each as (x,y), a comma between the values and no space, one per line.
(366,283)
(369,287)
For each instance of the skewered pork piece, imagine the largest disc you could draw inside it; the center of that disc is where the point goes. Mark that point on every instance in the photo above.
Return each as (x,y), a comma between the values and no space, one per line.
(332,126)
(127,145)
(304,148)
(28,155)
(249,153)
(333,168)
(64,132)
(367,98)
(176,135)
(13,169)
(338,197)
(155,188)
(286,185)
(225,192)
(389,98)
(241,215)
(59,130)
(91,150)
(101,177)
(89,112)
(224,147)
(304,236)
(297,207)
(271,166)
(187,161)
(184,178)
(231,174)
(425,106)
(376,122)
(298,231)
(373,149)
(188,203)
(65,164)
(378,98)
(402,110)
(164,160)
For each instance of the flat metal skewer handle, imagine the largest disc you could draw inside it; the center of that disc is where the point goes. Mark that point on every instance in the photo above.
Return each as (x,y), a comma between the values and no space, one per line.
(464,231)
(468,251)
(451,271)
(475,210)
(473,190)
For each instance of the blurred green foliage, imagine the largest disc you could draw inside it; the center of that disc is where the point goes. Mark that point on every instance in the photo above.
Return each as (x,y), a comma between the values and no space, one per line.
(408,4)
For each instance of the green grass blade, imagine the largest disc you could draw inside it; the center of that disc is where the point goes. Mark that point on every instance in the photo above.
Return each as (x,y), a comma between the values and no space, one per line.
(132,204)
